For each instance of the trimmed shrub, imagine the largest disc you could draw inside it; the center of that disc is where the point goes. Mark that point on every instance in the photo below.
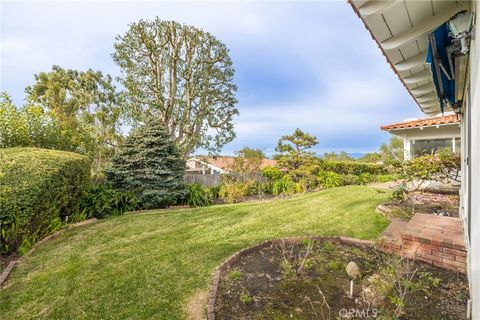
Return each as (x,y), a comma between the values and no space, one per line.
(199,196)
(39,189)
(149,165)
(101,202)
(329,179)
(356,168)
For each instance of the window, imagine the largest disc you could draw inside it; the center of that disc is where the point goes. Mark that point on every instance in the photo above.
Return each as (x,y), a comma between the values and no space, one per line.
(424,147)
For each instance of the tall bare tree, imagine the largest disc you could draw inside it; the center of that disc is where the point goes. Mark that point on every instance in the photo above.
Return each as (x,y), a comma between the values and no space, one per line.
(181,76)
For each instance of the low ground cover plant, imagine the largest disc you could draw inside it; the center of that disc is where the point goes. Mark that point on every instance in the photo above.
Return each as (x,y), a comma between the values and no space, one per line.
(40,190)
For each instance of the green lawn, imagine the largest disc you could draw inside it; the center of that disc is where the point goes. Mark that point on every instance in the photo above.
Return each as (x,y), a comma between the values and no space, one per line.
(146,265)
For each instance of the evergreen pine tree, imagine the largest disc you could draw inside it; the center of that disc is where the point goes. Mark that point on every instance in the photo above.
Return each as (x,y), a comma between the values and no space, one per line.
(148,163)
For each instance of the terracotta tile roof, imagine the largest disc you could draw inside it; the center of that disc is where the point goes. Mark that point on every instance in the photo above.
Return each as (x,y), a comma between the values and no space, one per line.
(225,163)
(434,121)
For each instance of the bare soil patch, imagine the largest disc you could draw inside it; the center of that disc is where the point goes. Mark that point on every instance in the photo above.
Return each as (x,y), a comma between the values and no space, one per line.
(196,305)
(308,280)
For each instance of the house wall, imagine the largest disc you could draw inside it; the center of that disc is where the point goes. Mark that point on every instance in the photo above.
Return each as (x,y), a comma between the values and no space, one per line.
(471,198)
(441,132)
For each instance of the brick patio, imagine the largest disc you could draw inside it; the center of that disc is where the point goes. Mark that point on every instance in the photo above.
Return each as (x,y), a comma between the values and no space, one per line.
(429,238)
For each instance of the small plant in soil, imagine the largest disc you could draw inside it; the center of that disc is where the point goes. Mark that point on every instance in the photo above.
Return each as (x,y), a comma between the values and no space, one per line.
(328,246)
(400,193)
(234,275)
(246,298)
(295,263)
(335,266)
(400,280)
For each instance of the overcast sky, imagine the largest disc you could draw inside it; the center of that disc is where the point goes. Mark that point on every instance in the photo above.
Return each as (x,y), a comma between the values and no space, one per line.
(310,65)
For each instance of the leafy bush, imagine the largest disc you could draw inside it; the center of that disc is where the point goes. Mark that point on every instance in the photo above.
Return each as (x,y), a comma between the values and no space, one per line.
(199,196)
(284,187)
(101,201)
(357,168)
(233,191)
(365,178)
(39,189)
(149,165)
(393,166)
(400,193)
(272,173)
(308,182)
(329,179)
(350,179)
(300,188)
(215,192)
(257,188)
(441,167)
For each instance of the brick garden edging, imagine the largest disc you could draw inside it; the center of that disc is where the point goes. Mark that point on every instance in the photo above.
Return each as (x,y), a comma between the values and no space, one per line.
(212,298)
(9,268)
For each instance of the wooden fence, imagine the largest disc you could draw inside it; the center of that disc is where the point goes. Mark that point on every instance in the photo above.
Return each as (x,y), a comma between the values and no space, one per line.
(213,180)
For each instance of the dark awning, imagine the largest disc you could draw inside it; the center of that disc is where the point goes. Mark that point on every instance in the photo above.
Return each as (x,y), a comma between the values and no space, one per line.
(442,65)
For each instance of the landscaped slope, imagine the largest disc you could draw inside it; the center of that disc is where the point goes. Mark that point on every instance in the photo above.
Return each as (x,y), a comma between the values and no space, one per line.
(146,265)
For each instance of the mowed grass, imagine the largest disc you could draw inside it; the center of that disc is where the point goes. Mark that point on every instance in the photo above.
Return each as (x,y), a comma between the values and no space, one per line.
(146,265)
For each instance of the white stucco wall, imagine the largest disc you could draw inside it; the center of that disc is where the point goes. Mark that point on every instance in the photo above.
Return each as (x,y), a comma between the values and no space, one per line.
(474,162)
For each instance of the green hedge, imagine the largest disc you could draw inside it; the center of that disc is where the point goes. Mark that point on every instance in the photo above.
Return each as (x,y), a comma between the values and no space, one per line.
(356,168)
(39,189)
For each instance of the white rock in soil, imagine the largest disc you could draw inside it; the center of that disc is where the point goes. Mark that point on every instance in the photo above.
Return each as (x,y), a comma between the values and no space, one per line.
(353,270)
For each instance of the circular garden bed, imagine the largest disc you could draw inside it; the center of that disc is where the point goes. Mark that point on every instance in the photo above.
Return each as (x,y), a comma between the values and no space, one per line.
(307,278)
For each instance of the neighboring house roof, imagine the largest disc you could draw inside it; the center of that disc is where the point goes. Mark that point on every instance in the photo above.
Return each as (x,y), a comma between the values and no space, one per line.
(203,164)
(400,29)
(225,163)
(420,123)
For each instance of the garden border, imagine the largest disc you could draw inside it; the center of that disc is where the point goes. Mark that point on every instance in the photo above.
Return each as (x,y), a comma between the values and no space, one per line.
(212,297)
(11,265)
